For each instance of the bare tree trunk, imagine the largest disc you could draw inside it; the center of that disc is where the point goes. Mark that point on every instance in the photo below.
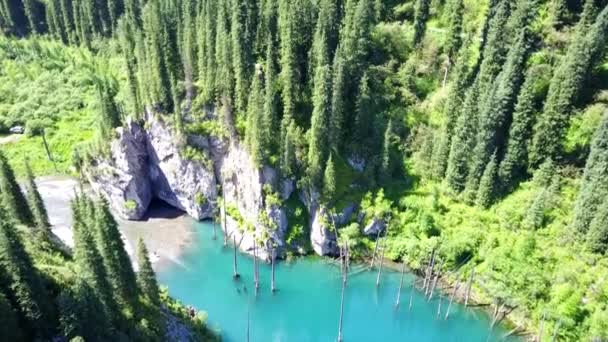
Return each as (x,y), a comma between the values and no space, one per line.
(435,280)
(255,267)
(447,314)
(439,306)
(375,250)
(445,75)
(342,304)
(556,330)
(541,328)
(382,258)
(469,285)
(412,293)
(236,273)
(272,288)
(248,308)
(215,230)
(400,285)
(497,311)
(224,221)
(48,150)
(429,275)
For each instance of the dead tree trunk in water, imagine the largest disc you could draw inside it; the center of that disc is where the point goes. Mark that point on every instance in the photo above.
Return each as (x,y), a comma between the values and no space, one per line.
(255,267)
(439,305)
(412,293)
(236,273)
(435,280)
(344,275)
(447,314)
(272,288)
(469,285)
(224,221)
(382,258)
(375,250)
(400,285)
(429,274)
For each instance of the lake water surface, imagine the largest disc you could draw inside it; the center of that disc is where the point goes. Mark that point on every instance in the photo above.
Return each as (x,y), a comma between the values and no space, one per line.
(306,306)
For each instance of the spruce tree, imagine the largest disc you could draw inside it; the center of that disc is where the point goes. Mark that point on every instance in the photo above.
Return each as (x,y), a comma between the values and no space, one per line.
(242,48)
(421,15)
(597,236)
(318,135)
(329,180)
(255,135)
(336,121)
(535,215)
(36,204)
(453,42)
(9,329)
(487,184)
(585,51)
(115,258)
(270,116)
(594,184)
(12,197)
(89,261)
(386,168)
(288,62)
(146,278)
(22,283)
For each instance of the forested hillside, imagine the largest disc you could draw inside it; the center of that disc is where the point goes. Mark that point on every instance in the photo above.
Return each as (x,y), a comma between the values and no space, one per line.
(478,130)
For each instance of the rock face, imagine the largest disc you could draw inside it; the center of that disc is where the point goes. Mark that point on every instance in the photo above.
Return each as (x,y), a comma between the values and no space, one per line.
(322,237)
(148,164)
(260,218)
(123,179)
(374,227)
(185,184)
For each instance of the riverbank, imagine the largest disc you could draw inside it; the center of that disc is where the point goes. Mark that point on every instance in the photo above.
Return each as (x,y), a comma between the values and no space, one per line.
(166,231)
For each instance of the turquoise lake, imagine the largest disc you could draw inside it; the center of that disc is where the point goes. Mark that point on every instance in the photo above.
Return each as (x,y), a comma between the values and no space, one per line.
(306,306)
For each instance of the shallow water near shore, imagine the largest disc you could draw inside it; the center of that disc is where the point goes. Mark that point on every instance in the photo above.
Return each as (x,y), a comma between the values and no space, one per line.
(306,306)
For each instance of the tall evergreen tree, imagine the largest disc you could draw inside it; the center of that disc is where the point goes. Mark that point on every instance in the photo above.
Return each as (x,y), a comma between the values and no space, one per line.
(329,180)
(22,283)
(584,52)
(12,198)
(89,261)
(255,135)
(453,42)
(146,279)
(9,329)
(336,121)
(115,258)
(386,168)
(318,136)
(36,204)
(271,101)
(242,48)
(597,237)
(421,15)
(487,184)
(594,185)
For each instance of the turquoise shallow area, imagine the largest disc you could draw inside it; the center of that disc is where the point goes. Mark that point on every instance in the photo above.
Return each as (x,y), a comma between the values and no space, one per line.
(307,305)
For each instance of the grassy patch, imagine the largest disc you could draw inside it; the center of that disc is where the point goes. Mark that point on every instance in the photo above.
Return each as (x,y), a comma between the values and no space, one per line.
(297,216)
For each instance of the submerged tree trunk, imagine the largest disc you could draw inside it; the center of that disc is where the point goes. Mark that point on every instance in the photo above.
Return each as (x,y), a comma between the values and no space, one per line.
(224,220)
(439,305)
(435,280)
(371,265)
(344,276)
(255,267)
(382,258)
(236,273)
(429,274)
(447,313)
(272,257)
(400,285)
(469,285)
(412,293)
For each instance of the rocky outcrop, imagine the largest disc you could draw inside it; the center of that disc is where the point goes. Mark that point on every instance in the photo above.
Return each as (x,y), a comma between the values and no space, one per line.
(251,189)
(186,184)
(146,164)
(322,236)
(123,178)
(374,227)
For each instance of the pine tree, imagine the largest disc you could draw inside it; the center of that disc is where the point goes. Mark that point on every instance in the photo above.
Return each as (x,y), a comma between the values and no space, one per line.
(22,283)
(336,121)
(329,180)
(487,184)
(288,61)
(496,113)
(271,101)
(515,161)
(421,15)
(597,236)
(9,329)
(594,185)
(207,61)
(455,12)
(584,52)
(80,314)
(325,37)
(115,258)
(146,279)
(224,77)
(254,136)
(12,198)
(242,47)
(318,136)
(462,141)
(88,259)
(36,204)
(535,215)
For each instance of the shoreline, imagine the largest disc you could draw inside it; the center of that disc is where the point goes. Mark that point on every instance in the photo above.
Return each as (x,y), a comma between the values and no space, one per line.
(166,231)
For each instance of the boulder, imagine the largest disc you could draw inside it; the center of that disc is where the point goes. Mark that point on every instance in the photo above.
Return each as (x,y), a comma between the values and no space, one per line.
(374,227)
(322,237)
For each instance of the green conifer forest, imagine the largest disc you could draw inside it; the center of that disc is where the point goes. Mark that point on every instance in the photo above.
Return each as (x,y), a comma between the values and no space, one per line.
(476,129)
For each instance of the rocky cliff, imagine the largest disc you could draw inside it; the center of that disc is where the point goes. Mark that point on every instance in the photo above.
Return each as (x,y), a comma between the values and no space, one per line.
(155,162)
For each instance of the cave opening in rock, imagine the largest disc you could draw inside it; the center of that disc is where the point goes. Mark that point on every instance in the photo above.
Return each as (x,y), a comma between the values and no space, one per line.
(163,210)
